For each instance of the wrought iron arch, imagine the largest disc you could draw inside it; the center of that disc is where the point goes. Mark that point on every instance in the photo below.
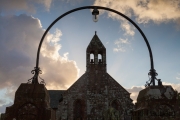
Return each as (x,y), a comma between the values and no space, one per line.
(37,70)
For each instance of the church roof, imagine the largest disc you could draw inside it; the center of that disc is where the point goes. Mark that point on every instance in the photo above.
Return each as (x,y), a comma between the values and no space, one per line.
(96,42)
(55,96)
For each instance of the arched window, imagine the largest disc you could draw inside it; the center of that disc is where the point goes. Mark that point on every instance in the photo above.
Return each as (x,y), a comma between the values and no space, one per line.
(92,58)
(78,109)
(115,104)
(100,58)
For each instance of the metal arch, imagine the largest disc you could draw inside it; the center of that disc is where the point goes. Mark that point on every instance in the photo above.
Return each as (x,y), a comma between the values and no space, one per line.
(152,70)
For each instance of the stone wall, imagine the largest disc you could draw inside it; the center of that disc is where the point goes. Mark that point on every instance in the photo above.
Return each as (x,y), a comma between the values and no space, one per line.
(98,92)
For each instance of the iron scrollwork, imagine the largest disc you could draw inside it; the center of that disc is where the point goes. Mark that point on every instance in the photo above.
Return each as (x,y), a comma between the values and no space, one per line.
(152,77)
(34,79)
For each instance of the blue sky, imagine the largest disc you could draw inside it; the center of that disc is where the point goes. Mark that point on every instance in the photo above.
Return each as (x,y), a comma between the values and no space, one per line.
(63,54)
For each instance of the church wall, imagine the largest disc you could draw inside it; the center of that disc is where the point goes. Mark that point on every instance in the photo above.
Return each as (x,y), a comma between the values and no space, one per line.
(76,92)
(98,93)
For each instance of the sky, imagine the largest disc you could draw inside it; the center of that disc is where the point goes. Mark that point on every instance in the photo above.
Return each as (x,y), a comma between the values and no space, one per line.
(63,52)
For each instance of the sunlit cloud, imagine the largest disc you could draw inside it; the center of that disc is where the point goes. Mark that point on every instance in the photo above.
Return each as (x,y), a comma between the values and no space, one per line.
(114,4)
(134,90)
(175,86)
(51,47)
(19,43)
(157,10)
(145,10)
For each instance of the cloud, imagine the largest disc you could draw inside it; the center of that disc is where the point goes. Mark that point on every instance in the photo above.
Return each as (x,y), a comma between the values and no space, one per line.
(145,10)
(157,11)
(121,45)
(20,36)
(178,78)
(129,30)
(175,86)
(134,90)
(115,4)
(25,5)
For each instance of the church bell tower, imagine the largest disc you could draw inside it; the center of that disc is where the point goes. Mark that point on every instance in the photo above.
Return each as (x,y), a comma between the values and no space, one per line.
(95,55)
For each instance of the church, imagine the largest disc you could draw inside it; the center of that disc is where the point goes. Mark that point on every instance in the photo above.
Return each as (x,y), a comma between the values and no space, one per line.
(94,96)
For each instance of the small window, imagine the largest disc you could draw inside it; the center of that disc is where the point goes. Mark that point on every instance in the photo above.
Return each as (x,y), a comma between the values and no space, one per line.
(92,58)
(99,58)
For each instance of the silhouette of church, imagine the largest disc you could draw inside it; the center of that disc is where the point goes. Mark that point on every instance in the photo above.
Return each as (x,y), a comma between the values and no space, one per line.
(95,95)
